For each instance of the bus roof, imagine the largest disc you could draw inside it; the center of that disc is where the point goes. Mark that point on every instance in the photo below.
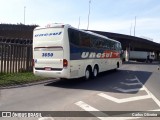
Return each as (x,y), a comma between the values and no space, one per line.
(53,25)
(61,25)
(93,33)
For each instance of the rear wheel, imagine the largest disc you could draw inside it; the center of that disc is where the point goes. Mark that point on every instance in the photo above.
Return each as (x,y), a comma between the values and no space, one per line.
(87,74)
(95,72)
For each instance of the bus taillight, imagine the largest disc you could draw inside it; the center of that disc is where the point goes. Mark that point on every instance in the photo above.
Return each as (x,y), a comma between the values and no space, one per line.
(65,63)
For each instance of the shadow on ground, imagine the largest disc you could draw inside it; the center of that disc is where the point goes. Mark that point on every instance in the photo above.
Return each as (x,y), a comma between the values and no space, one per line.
(105,82)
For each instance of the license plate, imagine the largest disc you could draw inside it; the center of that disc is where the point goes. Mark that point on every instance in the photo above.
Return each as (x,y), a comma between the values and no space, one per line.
(48,68)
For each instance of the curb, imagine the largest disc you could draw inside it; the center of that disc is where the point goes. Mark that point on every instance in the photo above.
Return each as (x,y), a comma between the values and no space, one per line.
(28,84)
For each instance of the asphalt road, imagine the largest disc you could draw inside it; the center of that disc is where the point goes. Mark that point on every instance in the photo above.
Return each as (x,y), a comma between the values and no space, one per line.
(134,87)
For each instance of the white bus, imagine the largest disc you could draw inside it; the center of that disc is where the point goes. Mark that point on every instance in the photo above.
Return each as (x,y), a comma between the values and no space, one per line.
(61,51)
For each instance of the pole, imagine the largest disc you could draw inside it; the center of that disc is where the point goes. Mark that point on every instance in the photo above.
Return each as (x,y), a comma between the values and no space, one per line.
(131,30)
(135,27)
(24,14)
(88,14)
(79,22)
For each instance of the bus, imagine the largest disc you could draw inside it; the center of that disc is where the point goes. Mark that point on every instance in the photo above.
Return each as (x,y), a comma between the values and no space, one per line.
(62,51)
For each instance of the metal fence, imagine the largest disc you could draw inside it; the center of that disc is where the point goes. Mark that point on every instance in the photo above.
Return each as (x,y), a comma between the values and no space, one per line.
(15,55)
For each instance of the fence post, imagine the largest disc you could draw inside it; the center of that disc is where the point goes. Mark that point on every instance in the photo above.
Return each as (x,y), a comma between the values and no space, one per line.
(2,57)
(27,62)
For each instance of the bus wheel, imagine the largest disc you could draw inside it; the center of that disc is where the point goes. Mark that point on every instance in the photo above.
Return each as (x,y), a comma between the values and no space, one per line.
(87,74)
(95,72)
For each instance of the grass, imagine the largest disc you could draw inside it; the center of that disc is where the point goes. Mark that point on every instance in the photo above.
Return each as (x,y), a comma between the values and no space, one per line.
(18,78)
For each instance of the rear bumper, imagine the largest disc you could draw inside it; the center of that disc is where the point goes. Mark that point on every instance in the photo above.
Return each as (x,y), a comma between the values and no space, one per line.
(53,74)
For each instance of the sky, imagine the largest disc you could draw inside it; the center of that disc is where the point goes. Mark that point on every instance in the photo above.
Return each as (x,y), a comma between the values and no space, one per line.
(117,16)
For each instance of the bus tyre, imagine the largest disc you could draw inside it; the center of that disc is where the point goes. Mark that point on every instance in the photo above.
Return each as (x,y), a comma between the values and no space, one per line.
(95,72)
(87,74)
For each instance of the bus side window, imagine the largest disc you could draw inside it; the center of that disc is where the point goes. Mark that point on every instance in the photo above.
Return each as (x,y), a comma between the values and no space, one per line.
(96,42)
(84,40)
(93,41)
(73,36)
(99,45)
(106,44)
(118,46)
(112,45)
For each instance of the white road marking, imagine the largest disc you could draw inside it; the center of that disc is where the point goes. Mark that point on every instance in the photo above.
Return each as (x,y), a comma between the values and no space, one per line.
(124,99)
(85,106)
(46,118)
(128,90)
(89,108)
(149,93)
(131,83)
(134,79)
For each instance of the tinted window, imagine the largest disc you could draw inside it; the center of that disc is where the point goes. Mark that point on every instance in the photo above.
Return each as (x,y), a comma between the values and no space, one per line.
(85,39)
(73,36)
(118,46)
(106,44)
(94,41)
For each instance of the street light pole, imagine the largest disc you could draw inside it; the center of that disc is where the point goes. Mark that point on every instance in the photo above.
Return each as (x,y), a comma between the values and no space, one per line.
(79,22)
(135,26)
(24,14)
(131,30)
(88,14)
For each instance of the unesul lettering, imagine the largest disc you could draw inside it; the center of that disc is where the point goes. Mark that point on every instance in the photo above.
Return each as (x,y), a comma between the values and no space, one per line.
(48,34)
(96,55)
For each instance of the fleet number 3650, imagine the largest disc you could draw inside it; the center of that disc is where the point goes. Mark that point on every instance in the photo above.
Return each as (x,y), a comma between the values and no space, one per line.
(47,54)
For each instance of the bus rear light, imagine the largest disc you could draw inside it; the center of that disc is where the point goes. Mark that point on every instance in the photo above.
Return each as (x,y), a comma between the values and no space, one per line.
(65,63)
